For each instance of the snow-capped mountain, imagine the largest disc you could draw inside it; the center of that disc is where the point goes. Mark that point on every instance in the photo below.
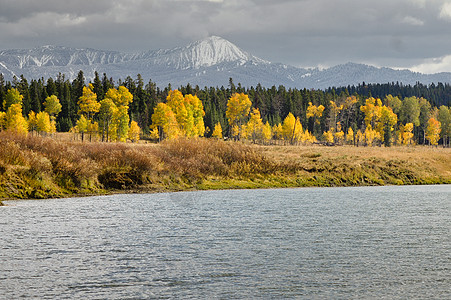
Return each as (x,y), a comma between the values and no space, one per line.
(203,54)
(208,62)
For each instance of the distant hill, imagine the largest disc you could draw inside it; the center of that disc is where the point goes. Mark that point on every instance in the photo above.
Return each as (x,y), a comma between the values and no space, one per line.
(208,62)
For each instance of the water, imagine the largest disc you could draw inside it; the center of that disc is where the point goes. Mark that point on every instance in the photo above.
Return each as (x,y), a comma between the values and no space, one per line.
(366,242)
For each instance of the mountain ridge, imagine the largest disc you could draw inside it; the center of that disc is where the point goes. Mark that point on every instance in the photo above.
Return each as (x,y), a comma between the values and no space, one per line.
(207,62)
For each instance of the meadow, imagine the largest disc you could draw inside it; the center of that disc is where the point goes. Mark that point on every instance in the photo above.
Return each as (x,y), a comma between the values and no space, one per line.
(34,167)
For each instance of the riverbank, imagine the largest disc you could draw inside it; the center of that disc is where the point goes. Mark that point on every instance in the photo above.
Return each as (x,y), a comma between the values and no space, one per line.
(37,167)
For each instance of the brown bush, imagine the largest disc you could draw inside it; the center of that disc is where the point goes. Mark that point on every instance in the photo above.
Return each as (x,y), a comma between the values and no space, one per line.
(198,157)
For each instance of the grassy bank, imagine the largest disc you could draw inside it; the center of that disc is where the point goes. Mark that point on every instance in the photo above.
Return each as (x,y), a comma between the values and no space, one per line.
(36,167)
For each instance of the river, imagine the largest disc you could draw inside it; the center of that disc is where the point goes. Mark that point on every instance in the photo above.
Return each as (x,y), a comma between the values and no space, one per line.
(361,242)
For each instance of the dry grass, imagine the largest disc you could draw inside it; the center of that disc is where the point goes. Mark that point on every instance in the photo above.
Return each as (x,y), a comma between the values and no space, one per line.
(37,167)
(394,165)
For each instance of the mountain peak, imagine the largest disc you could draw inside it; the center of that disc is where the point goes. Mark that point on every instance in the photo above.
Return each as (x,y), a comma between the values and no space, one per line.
(214,50)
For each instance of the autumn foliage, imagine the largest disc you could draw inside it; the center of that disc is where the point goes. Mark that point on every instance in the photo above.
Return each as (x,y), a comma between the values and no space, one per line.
(111,114)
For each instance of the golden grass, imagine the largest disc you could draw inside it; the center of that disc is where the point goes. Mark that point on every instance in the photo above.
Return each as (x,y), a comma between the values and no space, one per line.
(37,167)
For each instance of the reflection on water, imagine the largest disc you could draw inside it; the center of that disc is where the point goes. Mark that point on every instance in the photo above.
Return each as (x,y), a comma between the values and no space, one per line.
(366,242)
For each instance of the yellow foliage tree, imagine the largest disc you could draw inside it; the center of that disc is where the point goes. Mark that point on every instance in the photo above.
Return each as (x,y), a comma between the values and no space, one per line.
(176,102)
(339,137)
(164,119)
(359,138)
(188,112)
(134,132)
(87,103)
(43,124)
(217,131)
(119,127)
(372,111)
(350,136)
(120,96)
(406,133)
(314,111)
(14,119)
(335,109)
(32,122)
(254,127)
(277,132)
(328,136)
(196,115)
(235,131)
(307,137)
(82,126)
(433,131)
(93,129)
(12,97)
(238,108)
(371,136)
(2,120)
(154,135)
(267,132)
(292,129)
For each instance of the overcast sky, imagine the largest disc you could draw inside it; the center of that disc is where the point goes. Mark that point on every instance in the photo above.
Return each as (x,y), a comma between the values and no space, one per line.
(413,34)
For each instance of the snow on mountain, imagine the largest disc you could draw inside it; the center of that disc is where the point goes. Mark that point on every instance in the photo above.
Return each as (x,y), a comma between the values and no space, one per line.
(208,62)
(204,53)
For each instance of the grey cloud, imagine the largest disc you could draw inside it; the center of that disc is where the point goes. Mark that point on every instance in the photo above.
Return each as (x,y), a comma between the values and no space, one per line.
(305,32)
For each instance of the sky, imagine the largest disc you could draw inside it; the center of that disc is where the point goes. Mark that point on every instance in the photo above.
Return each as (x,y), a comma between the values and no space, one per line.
(413,34)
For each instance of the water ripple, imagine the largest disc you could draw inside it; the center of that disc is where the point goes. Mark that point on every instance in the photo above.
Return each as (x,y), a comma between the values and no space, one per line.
(370,242)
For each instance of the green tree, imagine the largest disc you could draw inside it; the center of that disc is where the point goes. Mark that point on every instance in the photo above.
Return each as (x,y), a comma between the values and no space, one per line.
(444,117)
(32,122)
(107,111)
(425,115)
(388,120)
(12,97)
(122,119)
(410,111)
(52,106)
(394,103)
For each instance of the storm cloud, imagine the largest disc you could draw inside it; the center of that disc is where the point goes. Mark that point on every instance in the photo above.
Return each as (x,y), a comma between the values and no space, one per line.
(413,34)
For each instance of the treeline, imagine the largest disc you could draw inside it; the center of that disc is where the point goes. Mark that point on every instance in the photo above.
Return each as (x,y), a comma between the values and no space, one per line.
(437,94)
(363,115)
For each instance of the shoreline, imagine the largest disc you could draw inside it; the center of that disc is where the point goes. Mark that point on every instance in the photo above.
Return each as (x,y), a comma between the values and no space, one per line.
(141,192)
(41,168)
(246,186)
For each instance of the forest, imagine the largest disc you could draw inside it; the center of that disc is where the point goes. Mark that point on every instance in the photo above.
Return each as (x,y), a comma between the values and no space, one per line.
(102,109)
